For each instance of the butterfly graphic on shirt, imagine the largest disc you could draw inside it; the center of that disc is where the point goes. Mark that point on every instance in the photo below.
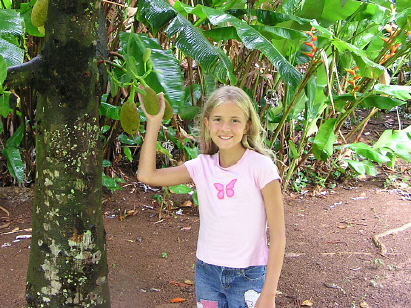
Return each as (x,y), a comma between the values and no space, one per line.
(229,189)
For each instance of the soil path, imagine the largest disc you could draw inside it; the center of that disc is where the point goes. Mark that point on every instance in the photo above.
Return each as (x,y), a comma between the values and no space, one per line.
(330,260)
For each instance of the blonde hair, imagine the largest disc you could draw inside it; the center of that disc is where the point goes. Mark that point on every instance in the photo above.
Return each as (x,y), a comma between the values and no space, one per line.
(253,140)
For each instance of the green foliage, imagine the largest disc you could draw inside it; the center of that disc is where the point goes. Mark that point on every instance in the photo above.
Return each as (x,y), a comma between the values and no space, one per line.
(11,28)
(309,67)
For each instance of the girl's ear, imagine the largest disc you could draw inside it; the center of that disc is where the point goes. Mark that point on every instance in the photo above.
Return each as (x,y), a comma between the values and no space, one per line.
(247,127)
(205,120)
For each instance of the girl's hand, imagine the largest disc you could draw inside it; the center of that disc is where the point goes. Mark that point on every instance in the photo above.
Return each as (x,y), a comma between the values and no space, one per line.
(265,301)
(157,118)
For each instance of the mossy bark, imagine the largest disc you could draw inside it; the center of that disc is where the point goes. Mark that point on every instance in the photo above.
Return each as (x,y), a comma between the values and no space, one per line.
(68,264)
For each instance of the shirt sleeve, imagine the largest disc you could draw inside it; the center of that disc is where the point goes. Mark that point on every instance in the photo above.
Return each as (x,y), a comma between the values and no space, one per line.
(193,166)
(267,172)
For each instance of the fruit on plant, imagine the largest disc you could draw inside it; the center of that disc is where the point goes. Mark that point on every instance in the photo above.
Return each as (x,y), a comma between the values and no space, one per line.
(168,111)
(39,13)
(129,117)
(42,30)
(151,101)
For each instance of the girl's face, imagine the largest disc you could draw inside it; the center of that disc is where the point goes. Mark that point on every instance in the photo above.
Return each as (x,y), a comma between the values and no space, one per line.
(227,124)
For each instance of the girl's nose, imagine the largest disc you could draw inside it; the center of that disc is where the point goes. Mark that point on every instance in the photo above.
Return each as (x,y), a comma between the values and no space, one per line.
(225,126)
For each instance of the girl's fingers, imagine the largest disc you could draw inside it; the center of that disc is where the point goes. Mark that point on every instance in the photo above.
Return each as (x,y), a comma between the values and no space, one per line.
(162,103)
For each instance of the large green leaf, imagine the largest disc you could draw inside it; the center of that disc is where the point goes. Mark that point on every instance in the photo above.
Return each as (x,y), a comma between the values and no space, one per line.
(193,43)
(166,75)
(324,140)
(4,104)
(15,140)
(398,141)
(25,12)
(253,39)
(400,92)
(3,72)
(367,67)
(368,152)
(14,163)
(271,18)
(157,13)
(12,54)
(189,39)
(273,32)
(362,167)
(403,19)
(373,100)
(312,9)
(11,23)
(109,111)
(402,4)
(334,10)
(180,189)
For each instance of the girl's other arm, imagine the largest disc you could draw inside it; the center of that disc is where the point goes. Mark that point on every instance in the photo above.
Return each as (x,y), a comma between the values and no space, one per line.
(275,216)
(147,172)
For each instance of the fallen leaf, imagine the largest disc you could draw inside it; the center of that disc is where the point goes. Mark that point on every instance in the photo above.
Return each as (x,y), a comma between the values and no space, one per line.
(307,303)
(177,300)
(363,304)
(342,227)
(180,284)
(187,203)
(188,282)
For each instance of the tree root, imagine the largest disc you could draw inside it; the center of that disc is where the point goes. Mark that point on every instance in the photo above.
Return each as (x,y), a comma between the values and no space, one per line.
(376,238)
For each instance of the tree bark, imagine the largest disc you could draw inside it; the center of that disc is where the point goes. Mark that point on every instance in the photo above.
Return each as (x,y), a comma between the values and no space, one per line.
(68,264)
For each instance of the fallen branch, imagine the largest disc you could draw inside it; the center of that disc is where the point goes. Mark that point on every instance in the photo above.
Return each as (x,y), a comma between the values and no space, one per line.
(376,238)
(5,225)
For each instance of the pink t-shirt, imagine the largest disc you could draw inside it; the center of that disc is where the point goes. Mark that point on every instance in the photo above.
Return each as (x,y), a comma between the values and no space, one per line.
(232,214)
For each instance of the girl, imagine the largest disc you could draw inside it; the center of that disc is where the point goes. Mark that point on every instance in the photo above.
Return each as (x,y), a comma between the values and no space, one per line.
(239,191)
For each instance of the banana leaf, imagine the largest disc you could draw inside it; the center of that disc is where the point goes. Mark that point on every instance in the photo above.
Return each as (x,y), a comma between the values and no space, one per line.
(189,39)
(11,23)
(156,13)
(400,92)
(166,75)
(373,100)
(368,152)
(367,67)
(398,141)
(362,167)
(253,39)
(14,163)
(324,140)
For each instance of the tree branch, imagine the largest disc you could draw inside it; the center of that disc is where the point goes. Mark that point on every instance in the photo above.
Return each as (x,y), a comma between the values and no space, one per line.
(24,74)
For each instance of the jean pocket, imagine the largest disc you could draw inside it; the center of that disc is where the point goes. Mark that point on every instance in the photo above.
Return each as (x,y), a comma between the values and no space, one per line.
(254,272)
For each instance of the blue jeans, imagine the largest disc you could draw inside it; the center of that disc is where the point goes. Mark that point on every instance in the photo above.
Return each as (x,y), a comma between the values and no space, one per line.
(227,287)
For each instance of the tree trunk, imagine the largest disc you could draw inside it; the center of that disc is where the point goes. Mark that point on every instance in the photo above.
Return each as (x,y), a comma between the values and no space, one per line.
(68,265)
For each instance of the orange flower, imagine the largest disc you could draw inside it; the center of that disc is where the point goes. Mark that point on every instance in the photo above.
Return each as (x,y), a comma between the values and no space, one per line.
(309,44)
(310,55)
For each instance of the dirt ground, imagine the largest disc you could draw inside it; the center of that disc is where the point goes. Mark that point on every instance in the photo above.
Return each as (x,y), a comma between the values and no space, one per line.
(331,260)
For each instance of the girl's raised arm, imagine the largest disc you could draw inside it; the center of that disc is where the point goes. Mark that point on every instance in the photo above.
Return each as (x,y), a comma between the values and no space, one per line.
(147,172)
